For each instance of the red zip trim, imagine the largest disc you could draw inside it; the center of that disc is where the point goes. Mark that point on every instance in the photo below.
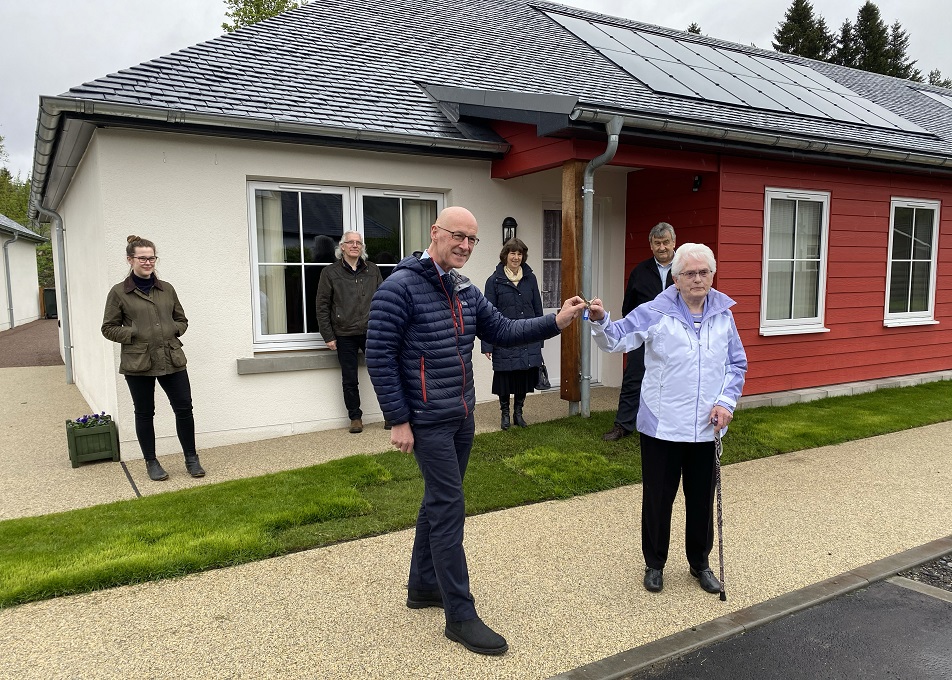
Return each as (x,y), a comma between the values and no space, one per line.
(423,378)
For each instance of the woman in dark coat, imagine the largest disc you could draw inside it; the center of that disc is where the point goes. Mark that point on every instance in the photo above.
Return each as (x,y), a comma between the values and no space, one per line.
(514,291)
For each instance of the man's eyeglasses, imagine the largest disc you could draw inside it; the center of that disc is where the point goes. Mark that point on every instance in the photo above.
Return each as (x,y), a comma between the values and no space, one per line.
(691,275)
(459,236)
(146,260)
(359,244)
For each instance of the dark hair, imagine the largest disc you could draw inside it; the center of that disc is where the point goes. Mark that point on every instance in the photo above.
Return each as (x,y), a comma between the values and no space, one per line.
(133,242)
(514,245)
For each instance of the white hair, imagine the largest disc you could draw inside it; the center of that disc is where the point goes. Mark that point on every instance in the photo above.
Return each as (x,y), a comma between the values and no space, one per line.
(338,253)
(692,251)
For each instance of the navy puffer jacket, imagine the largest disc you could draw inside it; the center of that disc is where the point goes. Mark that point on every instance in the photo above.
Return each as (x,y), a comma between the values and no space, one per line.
(420,341)
(515,302)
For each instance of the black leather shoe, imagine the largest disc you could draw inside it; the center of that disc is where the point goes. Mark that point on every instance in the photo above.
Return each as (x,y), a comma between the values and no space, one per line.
(707,580)
(476,636)
(156,473)
(616,433)
(421,599)
(654,580)
(193,466)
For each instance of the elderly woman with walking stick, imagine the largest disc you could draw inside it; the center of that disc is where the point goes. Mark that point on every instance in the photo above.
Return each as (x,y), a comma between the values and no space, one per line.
(694,373)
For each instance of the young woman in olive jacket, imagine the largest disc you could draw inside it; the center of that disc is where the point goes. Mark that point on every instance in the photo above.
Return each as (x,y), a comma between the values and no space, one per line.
(514,291)
(144,315)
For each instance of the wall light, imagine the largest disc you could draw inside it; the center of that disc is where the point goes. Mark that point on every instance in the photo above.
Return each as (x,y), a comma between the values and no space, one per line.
(508,229)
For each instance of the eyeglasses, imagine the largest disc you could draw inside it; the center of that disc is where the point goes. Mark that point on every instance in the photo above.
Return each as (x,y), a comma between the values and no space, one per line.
(459,236)
(703,273)
(146,260)
(359,244)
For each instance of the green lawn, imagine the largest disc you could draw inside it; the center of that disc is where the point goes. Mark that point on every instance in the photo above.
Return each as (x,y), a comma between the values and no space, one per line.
(230,523)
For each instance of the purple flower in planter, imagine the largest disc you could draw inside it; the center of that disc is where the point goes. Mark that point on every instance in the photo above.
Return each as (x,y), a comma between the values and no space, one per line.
(93,420)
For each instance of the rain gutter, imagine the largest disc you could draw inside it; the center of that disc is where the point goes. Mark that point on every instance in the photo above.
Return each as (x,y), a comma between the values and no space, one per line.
(53,110)
(613,127)
(759,138)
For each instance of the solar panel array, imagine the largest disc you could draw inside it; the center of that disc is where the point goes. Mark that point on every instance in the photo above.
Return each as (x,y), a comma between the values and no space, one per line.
(716,74)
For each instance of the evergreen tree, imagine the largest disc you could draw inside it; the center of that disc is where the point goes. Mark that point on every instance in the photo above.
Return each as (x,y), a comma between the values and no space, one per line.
(845,51)
(872,40)
(803,33)
(694,28)
(247,12)
(899,63)
(935,78)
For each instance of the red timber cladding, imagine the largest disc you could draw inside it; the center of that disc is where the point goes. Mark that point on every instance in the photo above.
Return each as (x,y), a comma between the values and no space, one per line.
(857,347)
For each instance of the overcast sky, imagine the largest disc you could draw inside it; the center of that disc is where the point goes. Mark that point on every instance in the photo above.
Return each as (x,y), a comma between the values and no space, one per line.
(49,46)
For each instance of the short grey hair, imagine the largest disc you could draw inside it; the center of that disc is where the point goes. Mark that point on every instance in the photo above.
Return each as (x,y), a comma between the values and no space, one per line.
(339,254)
(659,230)
(692,251)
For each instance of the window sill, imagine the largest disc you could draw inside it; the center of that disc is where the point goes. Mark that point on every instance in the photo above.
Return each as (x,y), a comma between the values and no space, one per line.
(898,323)
(302,362)
(793,330)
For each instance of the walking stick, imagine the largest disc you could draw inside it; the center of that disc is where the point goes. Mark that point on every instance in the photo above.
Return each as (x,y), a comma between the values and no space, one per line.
(718,450)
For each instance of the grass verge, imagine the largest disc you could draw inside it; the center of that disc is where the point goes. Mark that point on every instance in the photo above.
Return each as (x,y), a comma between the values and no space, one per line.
(234,522)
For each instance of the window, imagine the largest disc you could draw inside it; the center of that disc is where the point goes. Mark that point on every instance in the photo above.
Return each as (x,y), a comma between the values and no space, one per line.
(294,232)
(551,258)
(910,281)
(795,245)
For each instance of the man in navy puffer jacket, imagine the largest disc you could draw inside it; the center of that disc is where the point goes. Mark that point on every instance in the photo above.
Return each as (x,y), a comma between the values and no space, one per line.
(424,319)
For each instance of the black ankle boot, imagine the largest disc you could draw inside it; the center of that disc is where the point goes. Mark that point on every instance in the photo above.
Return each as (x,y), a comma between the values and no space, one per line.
(193,466)
(517,412)
(504,407)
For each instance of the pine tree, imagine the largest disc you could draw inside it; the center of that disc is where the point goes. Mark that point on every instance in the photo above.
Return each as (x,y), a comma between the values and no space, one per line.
(935,78)
(247,12)
(694,28)
(845,52)
(872,40)
(803,33)
(900,64)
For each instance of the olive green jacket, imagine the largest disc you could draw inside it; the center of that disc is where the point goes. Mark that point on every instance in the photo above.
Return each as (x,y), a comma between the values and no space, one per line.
(147,326)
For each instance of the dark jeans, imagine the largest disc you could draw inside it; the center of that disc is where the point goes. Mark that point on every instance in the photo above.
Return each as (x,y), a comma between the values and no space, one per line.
(179,392)
(438,561)
(663,465)
(630,396)
(347,348)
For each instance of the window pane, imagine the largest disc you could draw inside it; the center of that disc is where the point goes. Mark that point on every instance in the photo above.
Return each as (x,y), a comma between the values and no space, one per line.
(779,290)
(899,288)
(808,229)
(902,234)
(277,226)
(551,283)
(552,258)
(280,297)
(552,234)
(782,215)
(806,285)
(922,245)
(919,297)
(321,215)
(382,228)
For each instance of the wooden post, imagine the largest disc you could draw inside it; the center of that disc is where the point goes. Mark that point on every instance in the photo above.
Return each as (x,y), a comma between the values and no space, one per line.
(572,178)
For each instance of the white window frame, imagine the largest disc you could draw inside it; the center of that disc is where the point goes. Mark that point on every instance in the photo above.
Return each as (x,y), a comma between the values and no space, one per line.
(805,325)
(352,221)
(926,317)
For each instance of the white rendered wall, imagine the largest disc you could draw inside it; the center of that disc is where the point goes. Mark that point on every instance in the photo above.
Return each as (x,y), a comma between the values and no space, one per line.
(23,281)
(189,195)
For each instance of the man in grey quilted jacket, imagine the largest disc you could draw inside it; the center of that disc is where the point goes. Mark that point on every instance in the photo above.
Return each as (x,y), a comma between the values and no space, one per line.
(424,320)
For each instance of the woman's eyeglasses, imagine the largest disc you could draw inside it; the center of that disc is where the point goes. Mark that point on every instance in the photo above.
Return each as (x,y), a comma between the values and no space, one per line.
(145,260)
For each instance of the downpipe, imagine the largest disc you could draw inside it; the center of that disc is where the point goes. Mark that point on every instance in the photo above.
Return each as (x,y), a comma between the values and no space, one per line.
(613,127)
(8,275)
(63,307)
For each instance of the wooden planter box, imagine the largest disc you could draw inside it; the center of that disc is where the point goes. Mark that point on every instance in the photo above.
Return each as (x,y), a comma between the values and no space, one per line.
(92,443)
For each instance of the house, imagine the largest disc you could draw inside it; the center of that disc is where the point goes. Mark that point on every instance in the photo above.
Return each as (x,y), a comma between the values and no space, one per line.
(19,289)
(825,192)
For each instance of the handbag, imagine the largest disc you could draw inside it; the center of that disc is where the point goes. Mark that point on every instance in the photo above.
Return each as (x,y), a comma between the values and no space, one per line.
(543,382)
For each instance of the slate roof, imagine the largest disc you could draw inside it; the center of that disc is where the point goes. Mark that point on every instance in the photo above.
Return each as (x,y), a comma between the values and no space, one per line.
(357,65)
(10,227)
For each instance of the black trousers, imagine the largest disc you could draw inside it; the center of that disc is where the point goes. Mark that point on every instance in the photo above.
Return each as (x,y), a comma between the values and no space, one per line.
(438,560)
(179,391)
(347,348)
(664,465)
(630,396)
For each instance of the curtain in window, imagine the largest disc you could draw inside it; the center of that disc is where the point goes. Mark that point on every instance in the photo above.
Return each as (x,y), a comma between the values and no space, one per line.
(551,258)
(271,279)
(793,264)
(418,217)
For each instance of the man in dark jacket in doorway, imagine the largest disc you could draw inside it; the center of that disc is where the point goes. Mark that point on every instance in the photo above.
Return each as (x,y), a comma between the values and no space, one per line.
(645,283)
(424,321)
(343,308)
